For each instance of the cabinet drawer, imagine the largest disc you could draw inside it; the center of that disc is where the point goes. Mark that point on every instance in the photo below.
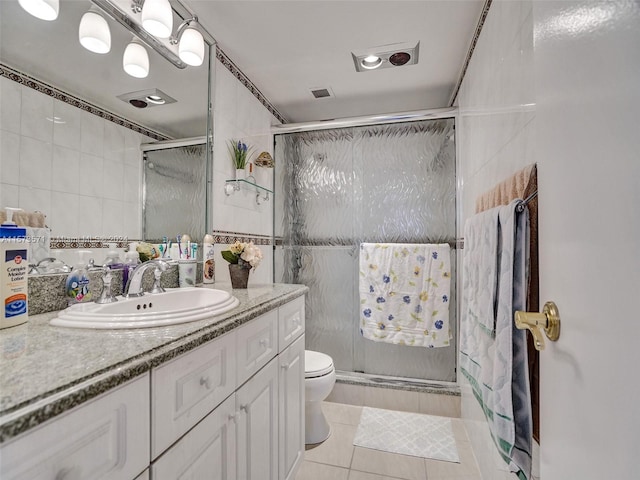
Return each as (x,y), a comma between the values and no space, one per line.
(290,322)
(105,438)
(257,343)
(207,451)
(187,388)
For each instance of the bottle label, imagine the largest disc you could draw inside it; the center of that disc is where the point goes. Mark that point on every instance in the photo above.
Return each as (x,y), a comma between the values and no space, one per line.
(14,282)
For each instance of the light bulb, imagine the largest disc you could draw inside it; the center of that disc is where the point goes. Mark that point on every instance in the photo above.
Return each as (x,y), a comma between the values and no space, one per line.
(94,33)
(191,48)
(157,18)
(135,60)
(42,9)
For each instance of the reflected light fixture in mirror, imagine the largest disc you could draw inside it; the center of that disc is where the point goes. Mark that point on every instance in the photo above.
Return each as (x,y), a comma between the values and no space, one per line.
(135,60)
(42,9)
(94,33)
(157,18)
(191,47)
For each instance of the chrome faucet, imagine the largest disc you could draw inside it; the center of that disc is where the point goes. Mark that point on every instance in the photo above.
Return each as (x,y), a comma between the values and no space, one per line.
(134,283)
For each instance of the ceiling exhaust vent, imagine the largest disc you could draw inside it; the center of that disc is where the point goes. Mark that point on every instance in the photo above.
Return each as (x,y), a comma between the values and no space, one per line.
(321,92)
(151,97)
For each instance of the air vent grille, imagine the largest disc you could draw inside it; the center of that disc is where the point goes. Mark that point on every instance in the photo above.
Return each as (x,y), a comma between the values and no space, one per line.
(321,92)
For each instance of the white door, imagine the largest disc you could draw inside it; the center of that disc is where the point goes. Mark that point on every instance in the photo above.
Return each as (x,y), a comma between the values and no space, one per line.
(587,69)
(257,406)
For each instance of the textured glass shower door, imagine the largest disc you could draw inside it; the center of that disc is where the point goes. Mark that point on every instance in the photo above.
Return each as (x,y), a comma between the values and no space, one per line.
(337,188)
(175,192)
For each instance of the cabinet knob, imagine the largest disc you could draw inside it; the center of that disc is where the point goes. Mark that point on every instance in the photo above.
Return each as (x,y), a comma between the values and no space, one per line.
(68,473)
(285,366)
(206,382)
(264,342)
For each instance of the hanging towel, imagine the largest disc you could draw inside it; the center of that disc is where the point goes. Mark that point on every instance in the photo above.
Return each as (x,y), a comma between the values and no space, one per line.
(404,293)
(496,365)
(481,267)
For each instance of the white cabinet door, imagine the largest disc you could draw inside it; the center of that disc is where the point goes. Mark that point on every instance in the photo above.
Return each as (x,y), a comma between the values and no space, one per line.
(208,451)
(291,409)
(188,387)
(257,405)
(105,438)
(256,344)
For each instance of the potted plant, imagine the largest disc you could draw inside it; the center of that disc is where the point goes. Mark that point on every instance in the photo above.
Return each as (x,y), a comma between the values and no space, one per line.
(241,257)
(240,155)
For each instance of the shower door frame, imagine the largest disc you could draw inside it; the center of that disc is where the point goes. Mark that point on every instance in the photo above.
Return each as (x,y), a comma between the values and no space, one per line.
(400,117)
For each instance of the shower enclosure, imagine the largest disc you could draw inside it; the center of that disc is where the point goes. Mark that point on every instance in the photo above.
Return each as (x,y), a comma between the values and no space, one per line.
(175,194)
(391,183)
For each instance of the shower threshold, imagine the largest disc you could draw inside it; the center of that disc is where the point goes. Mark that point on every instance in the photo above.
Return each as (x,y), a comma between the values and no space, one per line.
(398,383)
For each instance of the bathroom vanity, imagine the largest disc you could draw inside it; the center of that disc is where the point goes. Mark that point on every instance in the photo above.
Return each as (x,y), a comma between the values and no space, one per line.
(216,398)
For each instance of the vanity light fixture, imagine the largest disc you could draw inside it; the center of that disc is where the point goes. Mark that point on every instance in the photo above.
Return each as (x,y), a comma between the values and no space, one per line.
(135,60)
(94,33)
(157,18)
(42,9)
(191,46)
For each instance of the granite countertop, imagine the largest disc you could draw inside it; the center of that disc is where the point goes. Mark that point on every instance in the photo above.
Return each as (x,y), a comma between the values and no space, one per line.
(47,370)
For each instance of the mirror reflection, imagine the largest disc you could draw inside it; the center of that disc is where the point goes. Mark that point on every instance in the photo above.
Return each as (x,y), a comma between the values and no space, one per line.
(73,121)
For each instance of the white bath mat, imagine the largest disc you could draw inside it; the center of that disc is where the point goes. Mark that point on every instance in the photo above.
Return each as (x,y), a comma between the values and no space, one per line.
(406,433)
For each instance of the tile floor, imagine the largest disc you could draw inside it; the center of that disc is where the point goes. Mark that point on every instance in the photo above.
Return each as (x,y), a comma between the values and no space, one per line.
(338,459)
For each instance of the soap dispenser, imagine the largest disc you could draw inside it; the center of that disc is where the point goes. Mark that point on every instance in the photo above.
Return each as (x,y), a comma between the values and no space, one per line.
(13,272)
(77,285)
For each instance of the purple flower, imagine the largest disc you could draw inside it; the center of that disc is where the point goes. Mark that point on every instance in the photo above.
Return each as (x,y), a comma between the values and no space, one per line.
(381,326)
(380,300)
(418,308)
(439,324)
(367,312)
(386,279)
(435,255)
(445,299)
(406,299)
(370,288)
(391,317)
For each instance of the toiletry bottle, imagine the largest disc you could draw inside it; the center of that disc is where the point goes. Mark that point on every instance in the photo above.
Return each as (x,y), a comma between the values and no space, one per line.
(131,261)
(13,274)
(113,258)
(208,262)
(77,285)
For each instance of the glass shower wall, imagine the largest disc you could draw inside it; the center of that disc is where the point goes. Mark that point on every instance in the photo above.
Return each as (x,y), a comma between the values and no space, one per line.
(337,188)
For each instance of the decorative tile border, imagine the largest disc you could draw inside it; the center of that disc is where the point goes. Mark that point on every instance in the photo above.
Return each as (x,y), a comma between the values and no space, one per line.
(46,89)
(60,243)
(472,47)
(242,78)
(220,236)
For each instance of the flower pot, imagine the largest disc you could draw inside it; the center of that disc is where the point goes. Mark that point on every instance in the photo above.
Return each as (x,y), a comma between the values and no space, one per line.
(239,275)
(239,173)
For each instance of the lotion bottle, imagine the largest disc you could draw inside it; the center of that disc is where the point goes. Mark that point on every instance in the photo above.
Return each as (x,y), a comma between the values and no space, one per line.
(13,272)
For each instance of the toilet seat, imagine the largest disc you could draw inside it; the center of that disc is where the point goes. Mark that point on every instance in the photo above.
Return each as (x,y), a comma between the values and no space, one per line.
(317,364)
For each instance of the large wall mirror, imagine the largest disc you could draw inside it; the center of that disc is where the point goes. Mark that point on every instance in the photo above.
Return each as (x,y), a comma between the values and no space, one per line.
(73,122)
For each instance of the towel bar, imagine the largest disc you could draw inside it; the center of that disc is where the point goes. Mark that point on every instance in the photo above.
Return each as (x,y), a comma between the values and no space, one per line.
(548,320)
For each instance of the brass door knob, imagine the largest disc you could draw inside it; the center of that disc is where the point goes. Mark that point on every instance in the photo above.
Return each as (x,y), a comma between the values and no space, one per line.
(547,321)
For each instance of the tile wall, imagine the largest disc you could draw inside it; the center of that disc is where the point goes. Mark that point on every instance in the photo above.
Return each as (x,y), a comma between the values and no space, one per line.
(496,134)
(238,114)
(82,171)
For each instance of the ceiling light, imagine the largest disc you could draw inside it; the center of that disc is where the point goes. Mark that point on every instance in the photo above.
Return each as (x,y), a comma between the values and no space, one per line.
(135,60)
(42,9)
(157,18)
(157,99)
(371,61)
(94,33)
(191,47)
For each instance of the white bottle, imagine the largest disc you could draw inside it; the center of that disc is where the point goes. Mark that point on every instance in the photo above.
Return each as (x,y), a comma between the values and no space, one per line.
(131,261)
(13,272)
(208,260)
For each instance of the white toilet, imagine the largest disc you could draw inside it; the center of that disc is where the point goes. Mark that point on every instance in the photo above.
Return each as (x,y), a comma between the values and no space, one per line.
(320,376)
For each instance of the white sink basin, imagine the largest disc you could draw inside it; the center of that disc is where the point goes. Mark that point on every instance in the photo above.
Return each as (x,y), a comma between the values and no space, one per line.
(175,306)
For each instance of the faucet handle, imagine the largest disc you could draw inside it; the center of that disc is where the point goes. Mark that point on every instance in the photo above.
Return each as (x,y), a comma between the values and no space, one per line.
(106,296)
(157,273)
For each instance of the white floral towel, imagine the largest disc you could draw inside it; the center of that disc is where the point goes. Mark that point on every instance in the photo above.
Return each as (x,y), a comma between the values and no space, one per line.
(404,293)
